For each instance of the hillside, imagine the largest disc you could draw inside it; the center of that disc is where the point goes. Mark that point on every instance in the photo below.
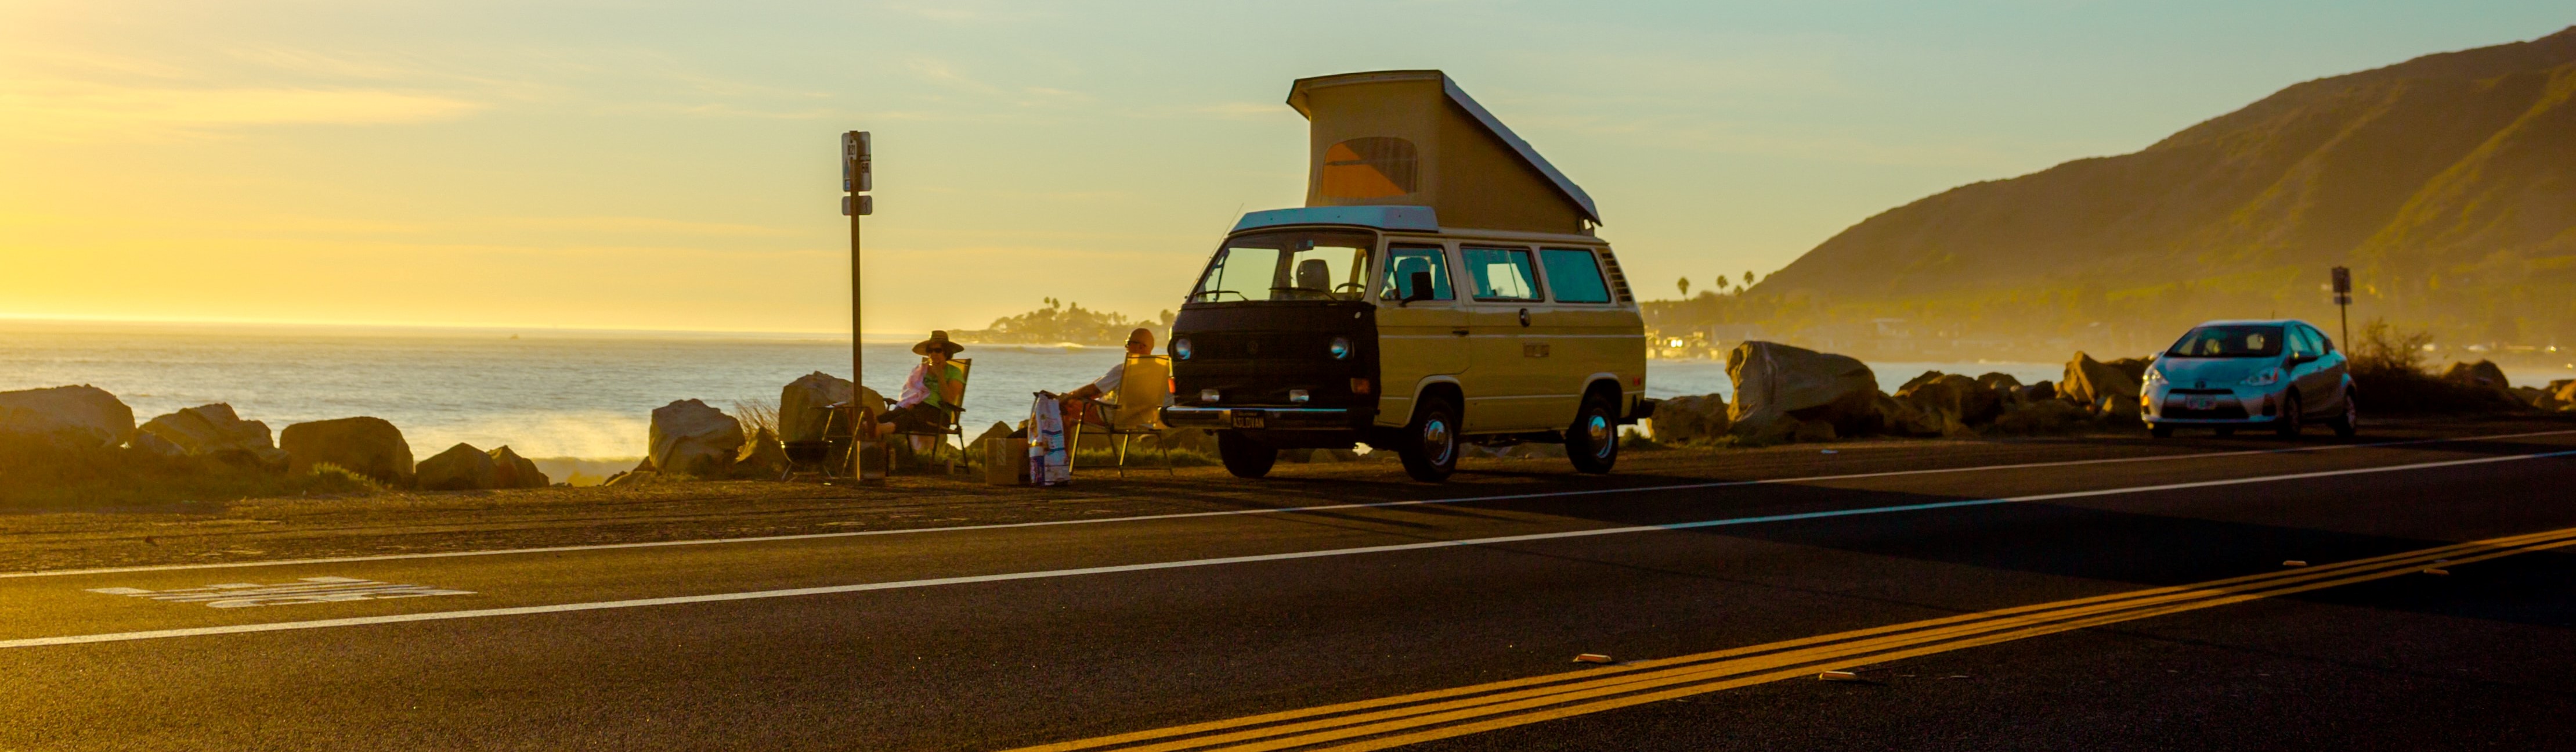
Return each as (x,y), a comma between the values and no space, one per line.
(2447,182)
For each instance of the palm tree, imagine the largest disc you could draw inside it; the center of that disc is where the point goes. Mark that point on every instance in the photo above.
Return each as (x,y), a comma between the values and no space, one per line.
(1748,278)
(1684,284)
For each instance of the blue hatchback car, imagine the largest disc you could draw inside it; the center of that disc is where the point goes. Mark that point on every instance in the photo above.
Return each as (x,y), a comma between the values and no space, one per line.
(2280,374)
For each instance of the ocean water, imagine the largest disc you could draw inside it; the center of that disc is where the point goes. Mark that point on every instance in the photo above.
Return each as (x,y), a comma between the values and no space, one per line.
(576,394)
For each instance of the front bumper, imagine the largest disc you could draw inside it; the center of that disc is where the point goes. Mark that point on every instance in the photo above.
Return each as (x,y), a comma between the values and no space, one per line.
(1262,418)
(2233,406)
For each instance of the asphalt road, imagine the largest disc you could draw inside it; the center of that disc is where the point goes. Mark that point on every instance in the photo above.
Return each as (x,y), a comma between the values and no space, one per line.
(2071,594)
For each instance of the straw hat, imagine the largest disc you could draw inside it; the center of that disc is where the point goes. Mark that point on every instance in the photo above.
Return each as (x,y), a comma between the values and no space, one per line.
(938,341)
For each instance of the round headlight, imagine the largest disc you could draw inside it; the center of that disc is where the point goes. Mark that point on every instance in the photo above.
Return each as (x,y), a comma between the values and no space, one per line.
(1341,348)
(1181,348)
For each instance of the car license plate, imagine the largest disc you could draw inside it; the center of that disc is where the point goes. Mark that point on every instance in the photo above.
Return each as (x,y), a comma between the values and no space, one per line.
(2202,403)
(1248,419)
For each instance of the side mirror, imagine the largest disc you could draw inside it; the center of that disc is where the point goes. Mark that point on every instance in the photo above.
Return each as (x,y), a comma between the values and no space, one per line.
(2301,360)
(1417,287)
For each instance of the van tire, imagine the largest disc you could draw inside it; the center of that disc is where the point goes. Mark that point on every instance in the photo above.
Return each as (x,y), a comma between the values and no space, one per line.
(1244,456)
(1593,441)
(1429,446)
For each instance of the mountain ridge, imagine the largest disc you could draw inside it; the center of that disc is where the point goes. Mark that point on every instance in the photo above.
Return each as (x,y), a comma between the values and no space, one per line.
(2454,168)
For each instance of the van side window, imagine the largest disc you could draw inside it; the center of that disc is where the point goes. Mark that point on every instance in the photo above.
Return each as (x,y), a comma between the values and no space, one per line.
(1501,273)
(1403,260)
(1573,275)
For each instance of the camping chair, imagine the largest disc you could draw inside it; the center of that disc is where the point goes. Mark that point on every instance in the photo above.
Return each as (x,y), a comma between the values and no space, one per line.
(815,455)
(1142,391)
(954,402)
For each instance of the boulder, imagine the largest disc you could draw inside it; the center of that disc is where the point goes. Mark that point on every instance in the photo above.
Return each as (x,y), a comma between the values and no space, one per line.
(71,416)
(2136,368)
(2004,382)
(2564,391)
(214,430)
(2099,387)
(1903,419)
(1815,430)
(801,416)
(634,478)
(2534,397)
(513,471)
(999,430)
(1687,419)
(2044,390)
(764,457)
(145,442)
(2043,416)
(1776,383)
(2483,373)
(689,438)
(1911,383)
(460,468)
(362,445)
(1954,398)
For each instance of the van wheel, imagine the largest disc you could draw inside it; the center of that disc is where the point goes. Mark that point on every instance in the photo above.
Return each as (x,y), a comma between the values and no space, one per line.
(2160,431)
(1593,442)
(2348,423)
(2288,425)
(1430,446)
(1245,457)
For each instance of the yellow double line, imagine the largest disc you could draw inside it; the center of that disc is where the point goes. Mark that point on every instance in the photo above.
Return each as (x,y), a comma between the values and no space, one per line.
(1407,719)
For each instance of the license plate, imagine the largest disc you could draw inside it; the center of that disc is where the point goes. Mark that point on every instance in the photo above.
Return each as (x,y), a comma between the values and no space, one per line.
(2202,403)
(1251,419)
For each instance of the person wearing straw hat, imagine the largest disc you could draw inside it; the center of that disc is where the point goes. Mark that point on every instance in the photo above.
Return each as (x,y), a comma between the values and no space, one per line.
(927,393)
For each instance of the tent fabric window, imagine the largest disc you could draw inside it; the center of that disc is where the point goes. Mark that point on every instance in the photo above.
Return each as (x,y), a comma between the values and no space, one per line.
(1369,167)
(1574,275)
(1501,273)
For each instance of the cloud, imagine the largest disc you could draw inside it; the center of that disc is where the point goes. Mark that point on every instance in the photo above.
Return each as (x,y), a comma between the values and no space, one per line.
(75,110)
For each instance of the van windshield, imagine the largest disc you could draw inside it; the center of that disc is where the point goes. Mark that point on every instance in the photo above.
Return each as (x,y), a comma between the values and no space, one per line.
(2237,341)
(1289,265)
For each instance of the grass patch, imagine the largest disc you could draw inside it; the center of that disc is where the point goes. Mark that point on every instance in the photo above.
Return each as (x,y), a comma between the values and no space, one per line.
(38,476)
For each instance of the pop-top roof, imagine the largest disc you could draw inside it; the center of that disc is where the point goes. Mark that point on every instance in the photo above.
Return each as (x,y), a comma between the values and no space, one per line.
(1416,138)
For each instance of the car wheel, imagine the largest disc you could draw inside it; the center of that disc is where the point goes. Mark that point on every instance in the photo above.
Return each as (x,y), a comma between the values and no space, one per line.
(1244,456)
(2288,425)
(1430,445)
(1593,441)
(2349,422)
(2160,431)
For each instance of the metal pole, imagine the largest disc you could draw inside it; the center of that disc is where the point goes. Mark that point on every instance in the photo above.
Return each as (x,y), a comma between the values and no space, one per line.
(858,355)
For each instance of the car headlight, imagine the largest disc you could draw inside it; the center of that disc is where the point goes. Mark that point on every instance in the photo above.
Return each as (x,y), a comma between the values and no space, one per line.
(1341,348)
(2155,376)
(2265,377)
(1181,348)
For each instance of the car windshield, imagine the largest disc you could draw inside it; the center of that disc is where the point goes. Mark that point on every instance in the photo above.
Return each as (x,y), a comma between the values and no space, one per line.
(2230,341)
(1289,265)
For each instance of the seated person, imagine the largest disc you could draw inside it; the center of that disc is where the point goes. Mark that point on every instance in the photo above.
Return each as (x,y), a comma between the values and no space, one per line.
(922,408)
(1139,343)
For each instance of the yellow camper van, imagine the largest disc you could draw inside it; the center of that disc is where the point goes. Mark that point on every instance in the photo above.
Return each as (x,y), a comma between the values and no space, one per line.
(1442,285)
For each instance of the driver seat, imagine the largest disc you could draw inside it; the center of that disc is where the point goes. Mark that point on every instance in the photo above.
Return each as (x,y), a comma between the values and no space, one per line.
(1314,274)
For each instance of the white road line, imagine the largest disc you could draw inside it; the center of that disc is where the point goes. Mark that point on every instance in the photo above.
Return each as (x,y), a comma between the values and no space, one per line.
(1238,512)
(1189,563)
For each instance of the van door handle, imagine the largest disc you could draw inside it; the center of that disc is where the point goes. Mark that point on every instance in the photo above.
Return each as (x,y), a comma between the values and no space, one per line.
(1524,317)
(1459,332)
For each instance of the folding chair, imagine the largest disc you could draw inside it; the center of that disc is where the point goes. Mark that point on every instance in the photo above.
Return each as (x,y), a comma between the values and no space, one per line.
(952,404)
(1143,389)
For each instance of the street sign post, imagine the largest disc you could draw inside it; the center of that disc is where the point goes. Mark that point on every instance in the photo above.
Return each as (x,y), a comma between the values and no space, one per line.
(2343,301)
(857,159)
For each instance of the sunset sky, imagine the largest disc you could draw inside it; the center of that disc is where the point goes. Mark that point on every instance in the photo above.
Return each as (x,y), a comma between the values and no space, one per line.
(671,165)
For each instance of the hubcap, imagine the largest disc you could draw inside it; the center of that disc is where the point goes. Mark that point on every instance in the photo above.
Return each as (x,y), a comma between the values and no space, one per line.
(1435,439)
(1597,430)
